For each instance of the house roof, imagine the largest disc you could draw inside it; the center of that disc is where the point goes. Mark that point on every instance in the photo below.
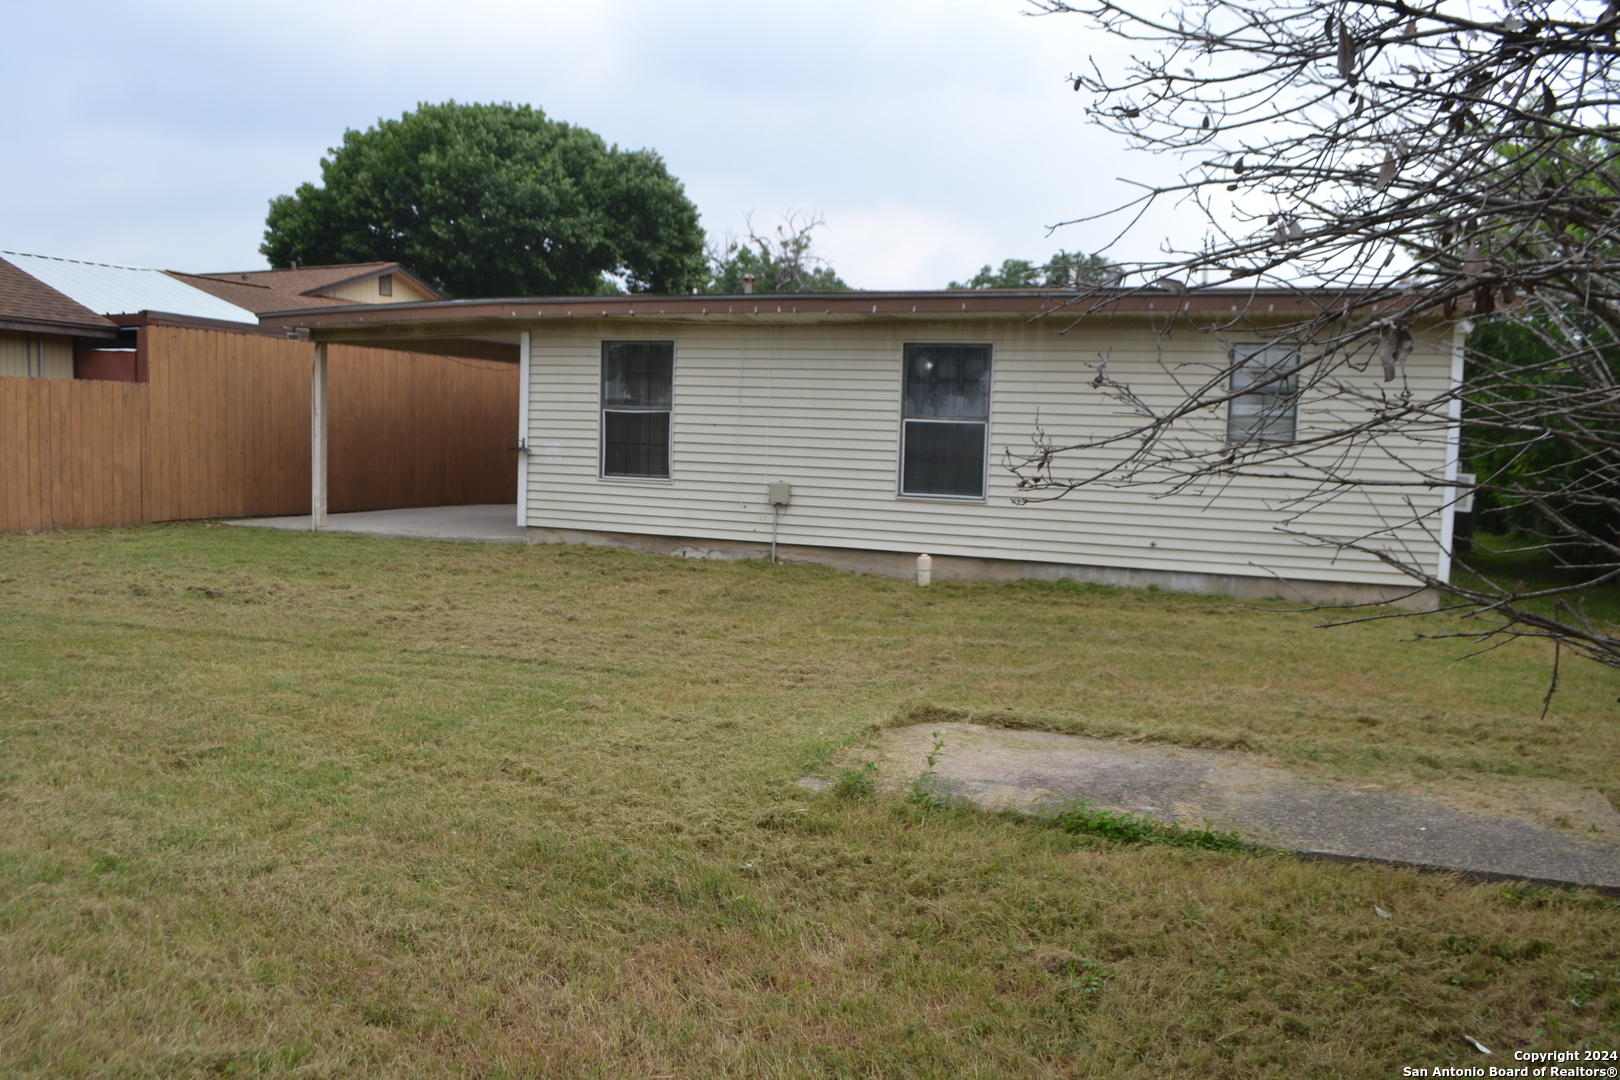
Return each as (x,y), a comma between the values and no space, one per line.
(30,305)
(818,306)
(311,282)
(125,290)
(489,328)
(257,297)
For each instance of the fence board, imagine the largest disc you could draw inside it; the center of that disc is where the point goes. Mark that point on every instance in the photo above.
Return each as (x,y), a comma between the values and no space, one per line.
(222,430)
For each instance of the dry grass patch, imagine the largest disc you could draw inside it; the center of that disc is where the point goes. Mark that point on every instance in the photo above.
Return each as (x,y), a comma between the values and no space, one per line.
(273,804)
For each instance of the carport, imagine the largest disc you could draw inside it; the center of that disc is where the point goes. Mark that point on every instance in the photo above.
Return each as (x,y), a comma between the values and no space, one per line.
(479,334)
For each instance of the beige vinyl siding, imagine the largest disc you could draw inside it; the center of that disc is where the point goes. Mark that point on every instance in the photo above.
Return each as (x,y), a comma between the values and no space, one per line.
(817,404)
(48,356)
(366,292)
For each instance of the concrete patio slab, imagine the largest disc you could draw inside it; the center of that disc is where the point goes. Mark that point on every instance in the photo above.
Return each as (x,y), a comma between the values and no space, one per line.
(1263,803)
(485,524)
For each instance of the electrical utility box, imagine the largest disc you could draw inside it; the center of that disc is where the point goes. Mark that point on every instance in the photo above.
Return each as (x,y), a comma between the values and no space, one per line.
(781,492)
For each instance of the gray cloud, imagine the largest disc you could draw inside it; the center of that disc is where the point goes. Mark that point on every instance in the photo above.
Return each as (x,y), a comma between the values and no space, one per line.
(934,136)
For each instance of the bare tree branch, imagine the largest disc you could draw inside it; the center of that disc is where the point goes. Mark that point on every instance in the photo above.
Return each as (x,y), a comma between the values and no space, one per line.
(1395,164)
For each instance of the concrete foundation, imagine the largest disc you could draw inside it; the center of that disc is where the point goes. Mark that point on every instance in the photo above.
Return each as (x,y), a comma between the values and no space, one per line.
(903,565)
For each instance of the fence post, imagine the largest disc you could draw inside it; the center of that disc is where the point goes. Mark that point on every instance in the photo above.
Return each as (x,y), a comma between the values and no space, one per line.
(317,440)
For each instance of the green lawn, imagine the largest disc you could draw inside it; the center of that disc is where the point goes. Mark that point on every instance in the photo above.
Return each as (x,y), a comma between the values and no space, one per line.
(277,804)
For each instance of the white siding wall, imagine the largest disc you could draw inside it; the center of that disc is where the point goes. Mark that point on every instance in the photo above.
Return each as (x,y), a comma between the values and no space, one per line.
(48,356)
(818,405)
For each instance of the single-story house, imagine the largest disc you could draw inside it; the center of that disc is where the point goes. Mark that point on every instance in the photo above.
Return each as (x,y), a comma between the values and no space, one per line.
(663,422)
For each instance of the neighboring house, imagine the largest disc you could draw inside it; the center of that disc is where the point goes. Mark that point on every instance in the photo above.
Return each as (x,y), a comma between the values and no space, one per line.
(40,327)
(315,286)
(129,297)
(661,422)
(213,418)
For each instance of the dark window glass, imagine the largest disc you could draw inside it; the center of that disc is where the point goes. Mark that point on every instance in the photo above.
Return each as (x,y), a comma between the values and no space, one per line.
(637,374)
(637,391)
(948,381)
(946,406)
(1266,408)
(637,443)
(385,285)
(944,458)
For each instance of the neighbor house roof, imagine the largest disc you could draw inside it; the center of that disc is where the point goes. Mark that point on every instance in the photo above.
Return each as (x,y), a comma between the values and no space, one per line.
(300,287)
(126,290)
(254,296)
(30,305)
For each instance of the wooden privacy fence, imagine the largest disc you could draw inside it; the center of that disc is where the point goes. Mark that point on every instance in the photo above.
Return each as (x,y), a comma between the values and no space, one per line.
(222,430)
(72,454)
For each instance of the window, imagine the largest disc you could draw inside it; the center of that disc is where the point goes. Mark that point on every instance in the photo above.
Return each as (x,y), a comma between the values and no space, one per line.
(1266,407)
(945,423)
(637,390)
(385,285)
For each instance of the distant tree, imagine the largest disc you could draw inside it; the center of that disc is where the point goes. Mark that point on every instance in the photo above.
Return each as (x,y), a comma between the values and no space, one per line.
(494,200)
(1065,269)
(783,263)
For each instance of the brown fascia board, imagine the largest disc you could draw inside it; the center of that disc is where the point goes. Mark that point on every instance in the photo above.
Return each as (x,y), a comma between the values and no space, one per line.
(804,305)
(64,329)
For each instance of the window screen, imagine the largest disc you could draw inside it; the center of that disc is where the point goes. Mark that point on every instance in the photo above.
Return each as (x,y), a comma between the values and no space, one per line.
(945,420)
(1266,408)
(638,379)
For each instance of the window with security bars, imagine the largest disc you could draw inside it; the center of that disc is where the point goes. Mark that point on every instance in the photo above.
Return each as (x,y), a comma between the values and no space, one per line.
(638,379)
(1265,410)
(945,420)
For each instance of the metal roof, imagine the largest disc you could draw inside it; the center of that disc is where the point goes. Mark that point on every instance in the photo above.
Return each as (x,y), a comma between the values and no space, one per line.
(127,290)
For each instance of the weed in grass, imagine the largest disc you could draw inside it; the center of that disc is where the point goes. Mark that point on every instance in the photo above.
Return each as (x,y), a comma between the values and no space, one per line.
(923,791)
(857,781)
(1085,818)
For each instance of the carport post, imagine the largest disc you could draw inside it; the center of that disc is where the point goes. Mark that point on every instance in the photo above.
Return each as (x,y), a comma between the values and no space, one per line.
(317,441)
(523,431)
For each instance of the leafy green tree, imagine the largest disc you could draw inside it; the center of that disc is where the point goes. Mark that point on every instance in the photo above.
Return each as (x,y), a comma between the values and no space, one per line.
(1062,270)
(1552,481)
(494,200)
(783,263)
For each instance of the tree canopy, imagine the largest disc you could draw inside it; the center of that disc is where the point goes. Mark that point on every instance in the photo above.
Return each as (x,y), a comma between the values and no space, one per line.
(494,200)
(1062,270)
(785,262)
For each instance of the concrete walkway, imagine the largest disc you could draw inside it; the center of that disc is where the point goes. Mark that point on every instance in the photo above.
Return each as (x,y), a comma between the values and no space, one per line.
(488,524)
(1490,834)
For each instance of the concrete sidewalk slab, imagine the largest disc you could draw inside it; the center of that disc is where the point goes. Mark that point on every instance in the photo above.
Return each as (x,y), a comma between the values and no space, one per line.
(485,524)
(1263,803)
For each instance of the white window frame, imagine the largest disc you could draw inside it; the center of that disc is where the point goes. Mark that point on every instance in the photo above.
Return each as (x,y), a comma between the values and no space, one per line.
(1285,391)
(603,409)
(984,472)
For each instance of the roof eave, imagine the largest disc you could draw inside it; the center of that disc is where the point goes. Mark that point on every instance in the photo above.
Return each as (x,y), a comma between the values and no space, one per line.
(104,329)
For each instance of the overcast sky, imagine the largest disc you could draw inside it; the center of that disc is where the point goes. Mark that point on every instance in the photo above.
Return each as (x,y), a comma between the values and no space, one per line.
(933,135)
